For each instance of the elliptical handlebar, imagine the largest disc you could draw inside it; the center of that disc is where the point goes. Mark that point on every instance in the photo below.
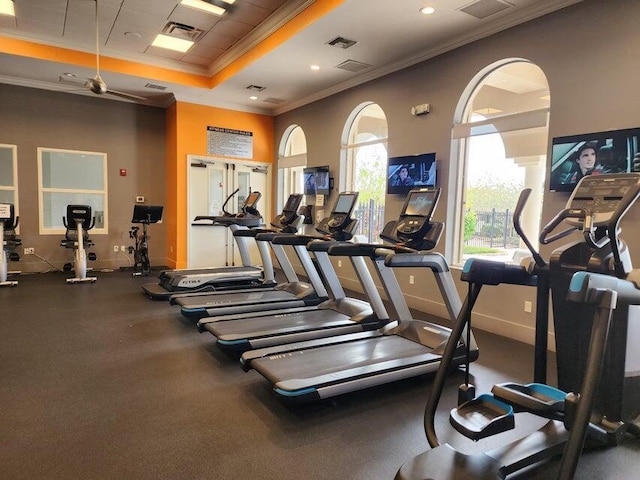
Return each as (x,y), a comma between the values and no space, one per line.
(578,213)
(224,210)
(517,226)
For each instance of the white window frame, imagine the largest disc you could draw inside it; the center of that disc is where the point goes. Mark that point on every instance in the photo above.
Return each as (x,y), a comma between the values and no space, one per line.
(14,187)
(462,131)
(289,167)
(350,146)
(42,190)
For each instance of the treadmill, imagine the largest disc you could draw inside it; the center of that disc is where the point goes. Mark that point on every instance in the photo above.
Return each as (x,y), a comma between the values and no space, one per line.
(338,315)
(221,278)
(317,369)
(288,295)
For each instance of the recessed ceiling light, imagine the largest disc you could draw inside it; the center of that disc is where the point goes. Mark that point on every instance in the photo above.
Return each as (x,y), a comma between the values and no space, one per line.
(427,10)
(132,35)
(6,8)
(206,6)
(253,97)
(171,43)
(67,74)
(315,67)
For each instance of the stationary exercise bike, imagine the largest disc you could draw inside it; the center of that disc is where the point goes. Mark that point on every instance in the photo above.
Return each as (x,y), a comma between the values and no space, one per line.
(8,225)
(145,215)
(78,222)
(595,209)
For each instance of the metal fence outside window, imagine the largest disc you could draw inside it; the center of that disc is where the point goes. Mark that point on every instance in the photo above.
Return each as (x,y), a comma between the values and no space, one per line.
(370,220)
(493,229)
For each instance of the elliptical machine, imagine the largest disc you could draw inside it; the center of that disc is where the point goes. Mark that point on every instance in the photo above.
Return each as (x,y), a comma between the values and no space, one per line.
(8,225)
(595,209)
(78,222)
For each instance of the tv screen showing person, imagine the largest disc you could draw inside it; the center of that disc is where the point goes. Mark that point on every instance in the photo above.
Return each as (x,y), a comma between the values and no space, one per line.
(402,178)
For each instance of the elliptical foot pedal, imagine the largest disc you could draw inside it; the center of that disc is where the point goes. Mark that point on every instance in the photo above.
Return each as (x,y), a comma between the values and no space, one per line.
(537,398)
(482,417)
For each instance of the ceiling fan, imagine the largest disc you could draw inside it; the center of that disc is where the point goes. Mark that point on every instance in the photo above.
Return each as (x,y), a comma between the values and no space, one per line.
(97,84)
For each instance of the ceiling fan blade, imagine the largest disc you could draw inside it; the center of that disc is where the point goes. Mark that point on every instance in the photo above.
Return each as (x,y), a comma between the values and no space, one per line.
(128,96)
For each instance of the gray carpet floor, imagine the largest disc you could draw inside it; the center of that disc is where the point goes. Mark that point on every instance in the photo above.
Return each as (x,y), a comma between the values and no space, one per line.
(99,382)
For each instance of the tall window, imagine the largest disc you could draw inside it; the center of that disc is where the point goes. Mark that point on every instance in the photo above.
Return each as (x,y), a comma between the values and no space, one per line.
(9,175)
(501,137)
(364,157)
(68,177)
(292,158)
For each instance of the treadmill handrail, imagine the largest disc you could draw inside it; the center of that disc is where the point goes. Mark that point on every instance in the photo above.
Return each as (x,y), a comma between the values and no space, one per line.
(433,260)
(357,250)
(294,239)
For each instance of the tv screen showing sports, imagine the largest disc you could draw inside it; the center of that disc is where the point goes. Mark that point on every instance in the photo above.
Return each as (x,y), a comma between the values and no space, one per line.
(345,203)
(576,156)
(316,180)
(421,203)
(409,171)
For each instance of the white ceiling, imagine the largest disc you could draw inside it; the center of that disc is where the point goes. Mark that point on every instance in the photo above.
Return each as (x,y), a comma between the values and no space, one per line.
(390,35)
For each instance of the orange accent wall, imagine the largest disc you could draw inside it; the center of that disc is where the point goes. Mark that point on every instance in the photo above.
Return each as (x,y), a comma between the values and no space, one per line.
(187,135)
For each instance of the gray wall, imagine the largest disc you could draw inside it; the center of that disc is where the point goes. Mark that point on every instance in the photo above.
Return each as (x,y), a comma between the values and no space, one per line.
(587,52)
(133,136)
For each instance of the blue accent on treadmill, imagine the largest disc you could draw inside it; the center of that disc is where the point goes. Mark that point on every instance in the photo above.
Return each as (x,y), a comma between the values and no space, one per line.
(467,265)
(548,391)
(294,393)
(233,342)
(577,281)
(193,309)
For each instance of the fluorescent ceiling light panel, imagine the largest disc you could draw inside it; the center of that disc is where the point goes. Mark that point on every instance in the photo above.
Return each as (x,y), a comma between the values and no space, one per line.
(6,8)
(171,43)
(206,6)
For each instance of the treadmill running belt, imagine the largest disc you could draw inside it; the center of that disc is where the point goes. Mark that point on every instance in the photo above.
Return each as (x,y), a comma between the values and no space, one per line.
(235,299)
(277,324)
(334,363)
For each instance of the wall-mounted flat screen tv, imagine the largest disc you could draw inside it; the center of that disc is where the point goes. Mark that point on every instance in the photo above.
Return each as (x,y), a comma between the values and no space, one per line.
(316,180)
(409,171)
(576,156)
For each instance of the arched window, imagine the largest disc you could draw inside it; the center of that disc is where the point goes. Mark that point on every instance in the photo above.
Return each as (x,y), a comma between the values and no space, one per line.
(292,158)
(364,165)
(500,138)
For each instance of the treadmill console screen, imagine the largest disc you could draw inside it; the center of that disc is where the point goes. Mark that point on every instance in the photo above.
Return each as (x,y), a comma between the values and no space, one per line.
(416,214)
(345,203)
(342,210)
(421,203)
(252,200)
(293,203)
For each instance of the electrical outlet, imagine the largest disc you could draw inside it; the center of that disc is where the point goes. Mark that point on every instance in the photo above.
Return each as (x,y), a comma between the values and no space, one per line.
(115,248)
(411,279)
(339,263)
(29,250)
(528,306)
(123,248)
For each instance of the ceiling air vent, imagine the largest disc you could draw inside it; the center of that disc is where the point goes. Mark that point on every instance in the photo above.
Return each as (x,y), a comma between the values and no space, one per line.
(484,8)
(180,30)
(353,66)
(256,88)
(155,87)
(276,101)
(341,42)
